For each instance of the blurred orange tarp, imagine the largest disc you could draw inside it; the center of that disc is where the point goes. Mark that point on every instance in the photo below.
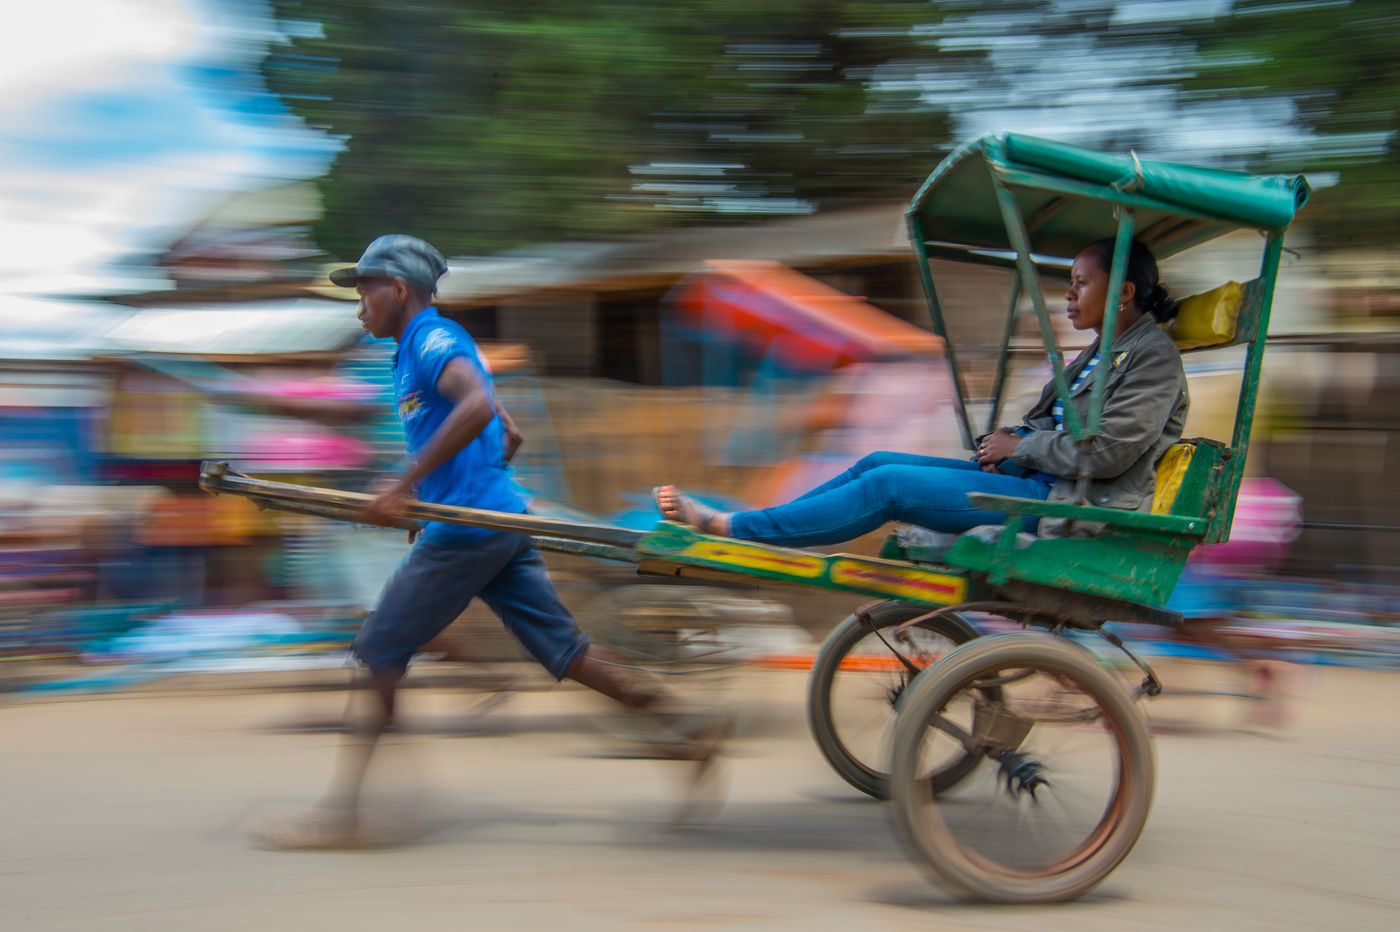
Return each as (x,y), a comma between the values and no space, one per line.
(808,325)
(886,385)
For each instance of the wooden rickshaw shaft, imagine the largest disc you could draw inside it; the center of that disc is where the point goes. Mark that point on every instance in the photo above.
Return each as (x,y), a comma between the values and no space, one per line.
(334,503)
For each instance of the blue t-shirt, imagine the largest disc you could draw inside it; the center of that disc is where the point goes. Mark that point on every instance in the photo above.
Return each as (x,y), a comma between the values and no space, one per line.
(478,475)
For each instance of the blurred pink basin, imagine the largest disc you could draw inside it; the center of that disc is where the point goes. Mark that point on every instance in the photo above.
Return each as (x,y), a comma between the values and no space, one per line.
(1268,516)
(309,451)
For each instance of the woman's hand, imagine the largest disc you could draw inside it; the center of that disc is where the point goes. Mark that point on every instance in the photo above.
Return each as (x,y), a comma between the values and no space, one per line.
(995,447)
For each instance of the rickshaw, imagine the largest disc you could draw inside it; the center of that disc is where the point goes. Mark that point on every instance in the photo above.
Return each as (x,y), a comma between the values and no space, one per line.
(1020,768)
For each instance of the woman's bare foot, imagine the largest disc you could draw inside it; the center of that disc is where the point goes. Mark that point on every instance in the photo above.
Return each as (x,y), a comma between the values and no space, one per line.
(681,508)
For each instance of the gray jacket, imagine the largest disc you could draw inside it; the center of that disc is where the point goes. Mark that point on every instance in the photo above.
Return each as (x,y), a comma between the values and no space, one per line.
(1144,413)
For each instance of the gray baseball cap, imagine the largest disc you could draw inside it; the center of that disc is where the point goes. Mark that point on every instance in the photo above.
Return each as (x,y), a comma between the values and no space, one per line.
(396,256)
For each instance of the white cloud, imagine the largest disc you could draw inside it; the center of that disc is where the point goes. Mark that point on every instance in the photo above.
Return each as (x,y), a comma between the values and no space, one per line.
(60,46)
(113,140)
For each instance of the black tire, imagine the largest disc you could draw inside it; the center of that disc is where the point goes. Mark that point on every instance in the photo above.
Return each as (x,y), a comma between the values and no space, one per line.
(853,726)
(1086,738)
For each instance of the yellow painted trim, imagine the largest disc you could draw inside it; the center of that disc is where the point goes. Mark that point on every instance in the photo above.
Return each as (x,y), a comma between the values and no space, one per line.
(731,553)
(898,581)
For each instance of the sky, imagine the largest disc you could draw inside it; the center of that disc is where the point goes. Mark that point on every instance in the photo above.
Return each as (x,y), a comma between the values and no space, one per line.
(124,121)
(1050,79)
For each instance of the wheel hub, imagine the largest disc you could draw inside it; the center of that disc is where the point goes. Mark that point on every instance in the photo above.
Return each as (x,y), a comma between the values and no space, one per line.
(1022,773)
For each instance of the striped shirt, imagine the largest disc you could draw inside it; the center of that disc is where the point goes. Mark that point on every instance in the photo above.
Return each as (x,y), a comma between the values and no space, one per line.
(1057,411)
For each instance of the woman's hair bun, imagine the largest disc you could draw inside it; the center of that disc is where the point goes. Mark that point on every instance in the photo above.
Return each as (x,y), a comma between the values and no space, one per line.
(1158,303)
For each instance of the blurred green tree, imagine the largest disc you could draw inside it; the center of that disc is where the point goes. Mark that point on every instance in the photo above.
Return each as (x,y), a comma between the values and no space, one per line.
(486,125)
(1335,62)
(482,125)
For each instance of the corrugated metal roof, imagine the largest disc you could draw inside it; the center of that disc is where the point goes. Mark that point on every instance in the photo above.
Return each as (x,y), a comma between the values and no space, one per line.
(296,325)
(36,328)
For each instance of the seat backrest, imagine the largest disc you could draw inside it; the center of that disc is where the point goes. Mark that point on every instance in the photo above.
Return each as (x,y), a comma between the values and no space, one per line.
(1192,476)
(1212,318)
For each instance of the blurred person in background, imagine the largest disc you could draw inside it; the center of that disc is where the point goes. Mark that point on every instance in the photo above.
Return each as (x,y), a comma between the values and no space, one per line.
(1218,589)
(364,409)
(356,401)
(460,442)
(1144,412)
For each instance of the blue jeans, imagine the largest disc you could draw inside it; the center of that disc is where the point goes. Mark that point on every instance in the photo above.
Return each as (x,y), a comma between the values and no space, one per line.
(438,580)
(930,491)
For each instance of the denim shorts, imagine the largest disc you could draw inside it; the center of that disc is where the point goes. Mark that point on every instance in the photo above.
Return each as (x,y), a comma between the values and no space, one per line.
(438,580)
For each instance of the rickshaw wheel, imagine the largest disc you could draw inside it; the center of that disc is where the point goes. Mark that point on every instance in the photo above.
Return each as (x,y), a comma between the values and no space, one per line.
(858,680)
(1064,777)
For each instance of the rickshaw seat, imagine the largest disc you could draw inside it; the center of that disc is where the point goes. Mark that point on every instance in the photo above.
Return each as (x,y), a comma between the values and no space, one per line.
(1183,500)
(1223,316)
(1137,555)
(1182,503)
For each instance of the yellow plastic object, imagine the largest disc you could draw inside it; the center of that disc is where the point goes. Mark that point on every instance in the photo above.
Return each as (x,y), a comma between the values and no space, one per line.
(197,520)
(1208,318)
(1171,469)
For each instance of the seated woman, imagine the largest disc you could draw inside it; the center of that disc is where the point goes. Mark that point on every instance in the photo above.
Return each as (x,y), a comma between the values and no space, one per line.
(1144,411)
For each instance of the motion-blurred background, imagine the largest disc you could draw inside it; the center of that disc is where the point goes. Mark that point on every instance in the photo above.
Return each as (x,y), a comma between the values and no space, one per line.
(662,220)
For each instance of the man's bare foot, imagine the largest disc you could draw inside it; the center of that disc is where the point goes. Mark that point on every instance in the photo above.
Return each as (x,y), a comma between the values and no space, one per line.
(681,508)
(319,829)
(332,826)
(1269,709)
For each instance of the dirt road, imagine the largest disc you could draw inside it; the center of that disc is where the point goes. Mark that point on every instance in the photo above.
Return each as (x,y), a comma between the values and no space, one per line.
(128,812)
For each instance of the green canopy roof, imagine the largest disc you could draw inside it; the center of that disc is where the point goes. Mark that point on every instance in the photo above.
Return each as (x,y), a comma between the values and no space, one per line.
(1067,195)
